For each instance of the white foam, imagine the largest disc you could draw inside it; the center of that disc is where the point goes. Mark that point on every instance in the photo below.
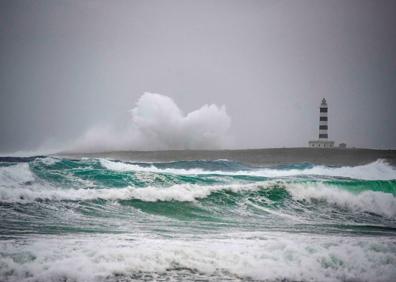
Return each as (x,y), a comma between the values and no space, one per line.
(180,192)
(378,170)
(368,201)
(262,256)
(121,166)
(49,160)
(14,175)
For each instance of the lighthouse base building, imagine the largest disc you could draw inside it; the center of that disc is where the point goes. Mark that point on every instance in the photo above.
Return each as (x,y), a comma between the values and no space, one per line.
(321,144)
(323,141)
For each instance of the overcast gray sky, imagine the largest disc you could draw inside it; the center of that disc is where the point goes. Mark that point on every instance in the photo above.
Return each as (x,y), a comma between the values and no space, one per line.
(66,66)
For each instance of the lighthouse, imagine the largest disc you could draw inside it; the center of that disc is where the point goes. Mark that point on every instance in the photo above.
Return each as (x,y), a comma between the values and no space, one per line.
(323,119)
(323,141)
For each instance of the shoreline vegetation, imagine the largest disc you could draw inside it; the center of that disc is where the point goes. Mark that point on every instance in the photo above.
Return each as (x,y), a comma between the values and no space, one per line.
(262,157)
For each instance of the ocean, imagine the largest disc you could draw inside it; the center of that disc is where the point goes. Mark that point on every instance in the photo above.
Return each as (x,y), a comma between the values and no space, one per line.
(100,219)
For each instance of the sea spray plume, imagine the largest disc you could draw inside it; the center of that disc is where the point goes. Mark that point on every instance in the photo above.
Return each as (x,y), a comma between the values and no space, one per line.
(159,124)
(159,120)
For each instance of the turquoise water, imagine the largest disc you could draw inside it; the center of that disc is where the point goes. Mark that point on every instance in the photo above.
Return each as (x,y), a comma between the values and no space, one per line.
(105,220)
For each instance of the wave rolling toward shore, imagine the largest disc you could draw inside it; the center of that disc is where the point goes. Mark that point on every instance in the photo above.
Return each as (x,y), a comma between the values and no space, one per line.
(92,219)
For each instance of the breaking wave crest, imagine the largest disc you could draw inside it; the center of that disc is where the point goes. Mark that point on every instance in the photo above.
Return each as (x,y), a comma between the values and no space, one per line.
(367,201)
(24,189)
(14,175)
(182,193)
(378,170)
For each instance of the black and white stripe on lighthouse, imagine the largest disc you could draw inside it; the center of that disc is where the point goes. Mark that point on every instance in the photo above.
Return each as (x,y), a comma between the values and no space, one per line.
(323,126)
(323,141)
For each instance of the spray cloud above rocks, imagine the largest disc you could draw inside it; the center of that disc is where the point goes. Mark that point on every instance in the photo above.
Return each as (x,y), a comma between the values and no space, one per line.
(157,123)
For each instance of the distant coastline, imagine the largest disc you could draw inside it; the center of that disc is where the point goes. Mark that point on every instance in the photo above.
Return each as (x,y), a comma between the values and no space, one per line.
(262,157)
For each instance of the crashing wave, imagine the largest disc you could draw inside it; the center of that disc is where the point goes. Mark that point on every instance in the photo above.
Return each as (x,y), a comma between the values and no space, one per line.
(378,170)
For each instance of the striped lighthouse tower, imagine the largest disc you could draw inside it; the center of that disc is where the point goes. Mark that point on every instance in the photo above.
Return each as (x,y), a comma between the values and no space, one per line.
(323,126)
(323,141)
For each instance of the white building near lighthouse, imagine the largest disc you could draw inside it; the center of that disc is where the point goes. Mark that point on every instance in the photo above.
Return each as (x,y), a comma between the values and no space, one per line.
(323,141)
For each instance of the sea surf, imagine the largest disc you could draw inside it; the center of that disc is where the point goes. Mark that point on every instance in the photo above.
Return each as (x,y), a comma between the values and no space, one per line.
(99,219)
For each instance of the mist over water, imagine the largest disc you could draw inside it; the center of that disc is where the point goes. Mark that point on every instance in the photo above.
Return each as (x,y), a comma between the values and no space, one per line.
(157,123)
